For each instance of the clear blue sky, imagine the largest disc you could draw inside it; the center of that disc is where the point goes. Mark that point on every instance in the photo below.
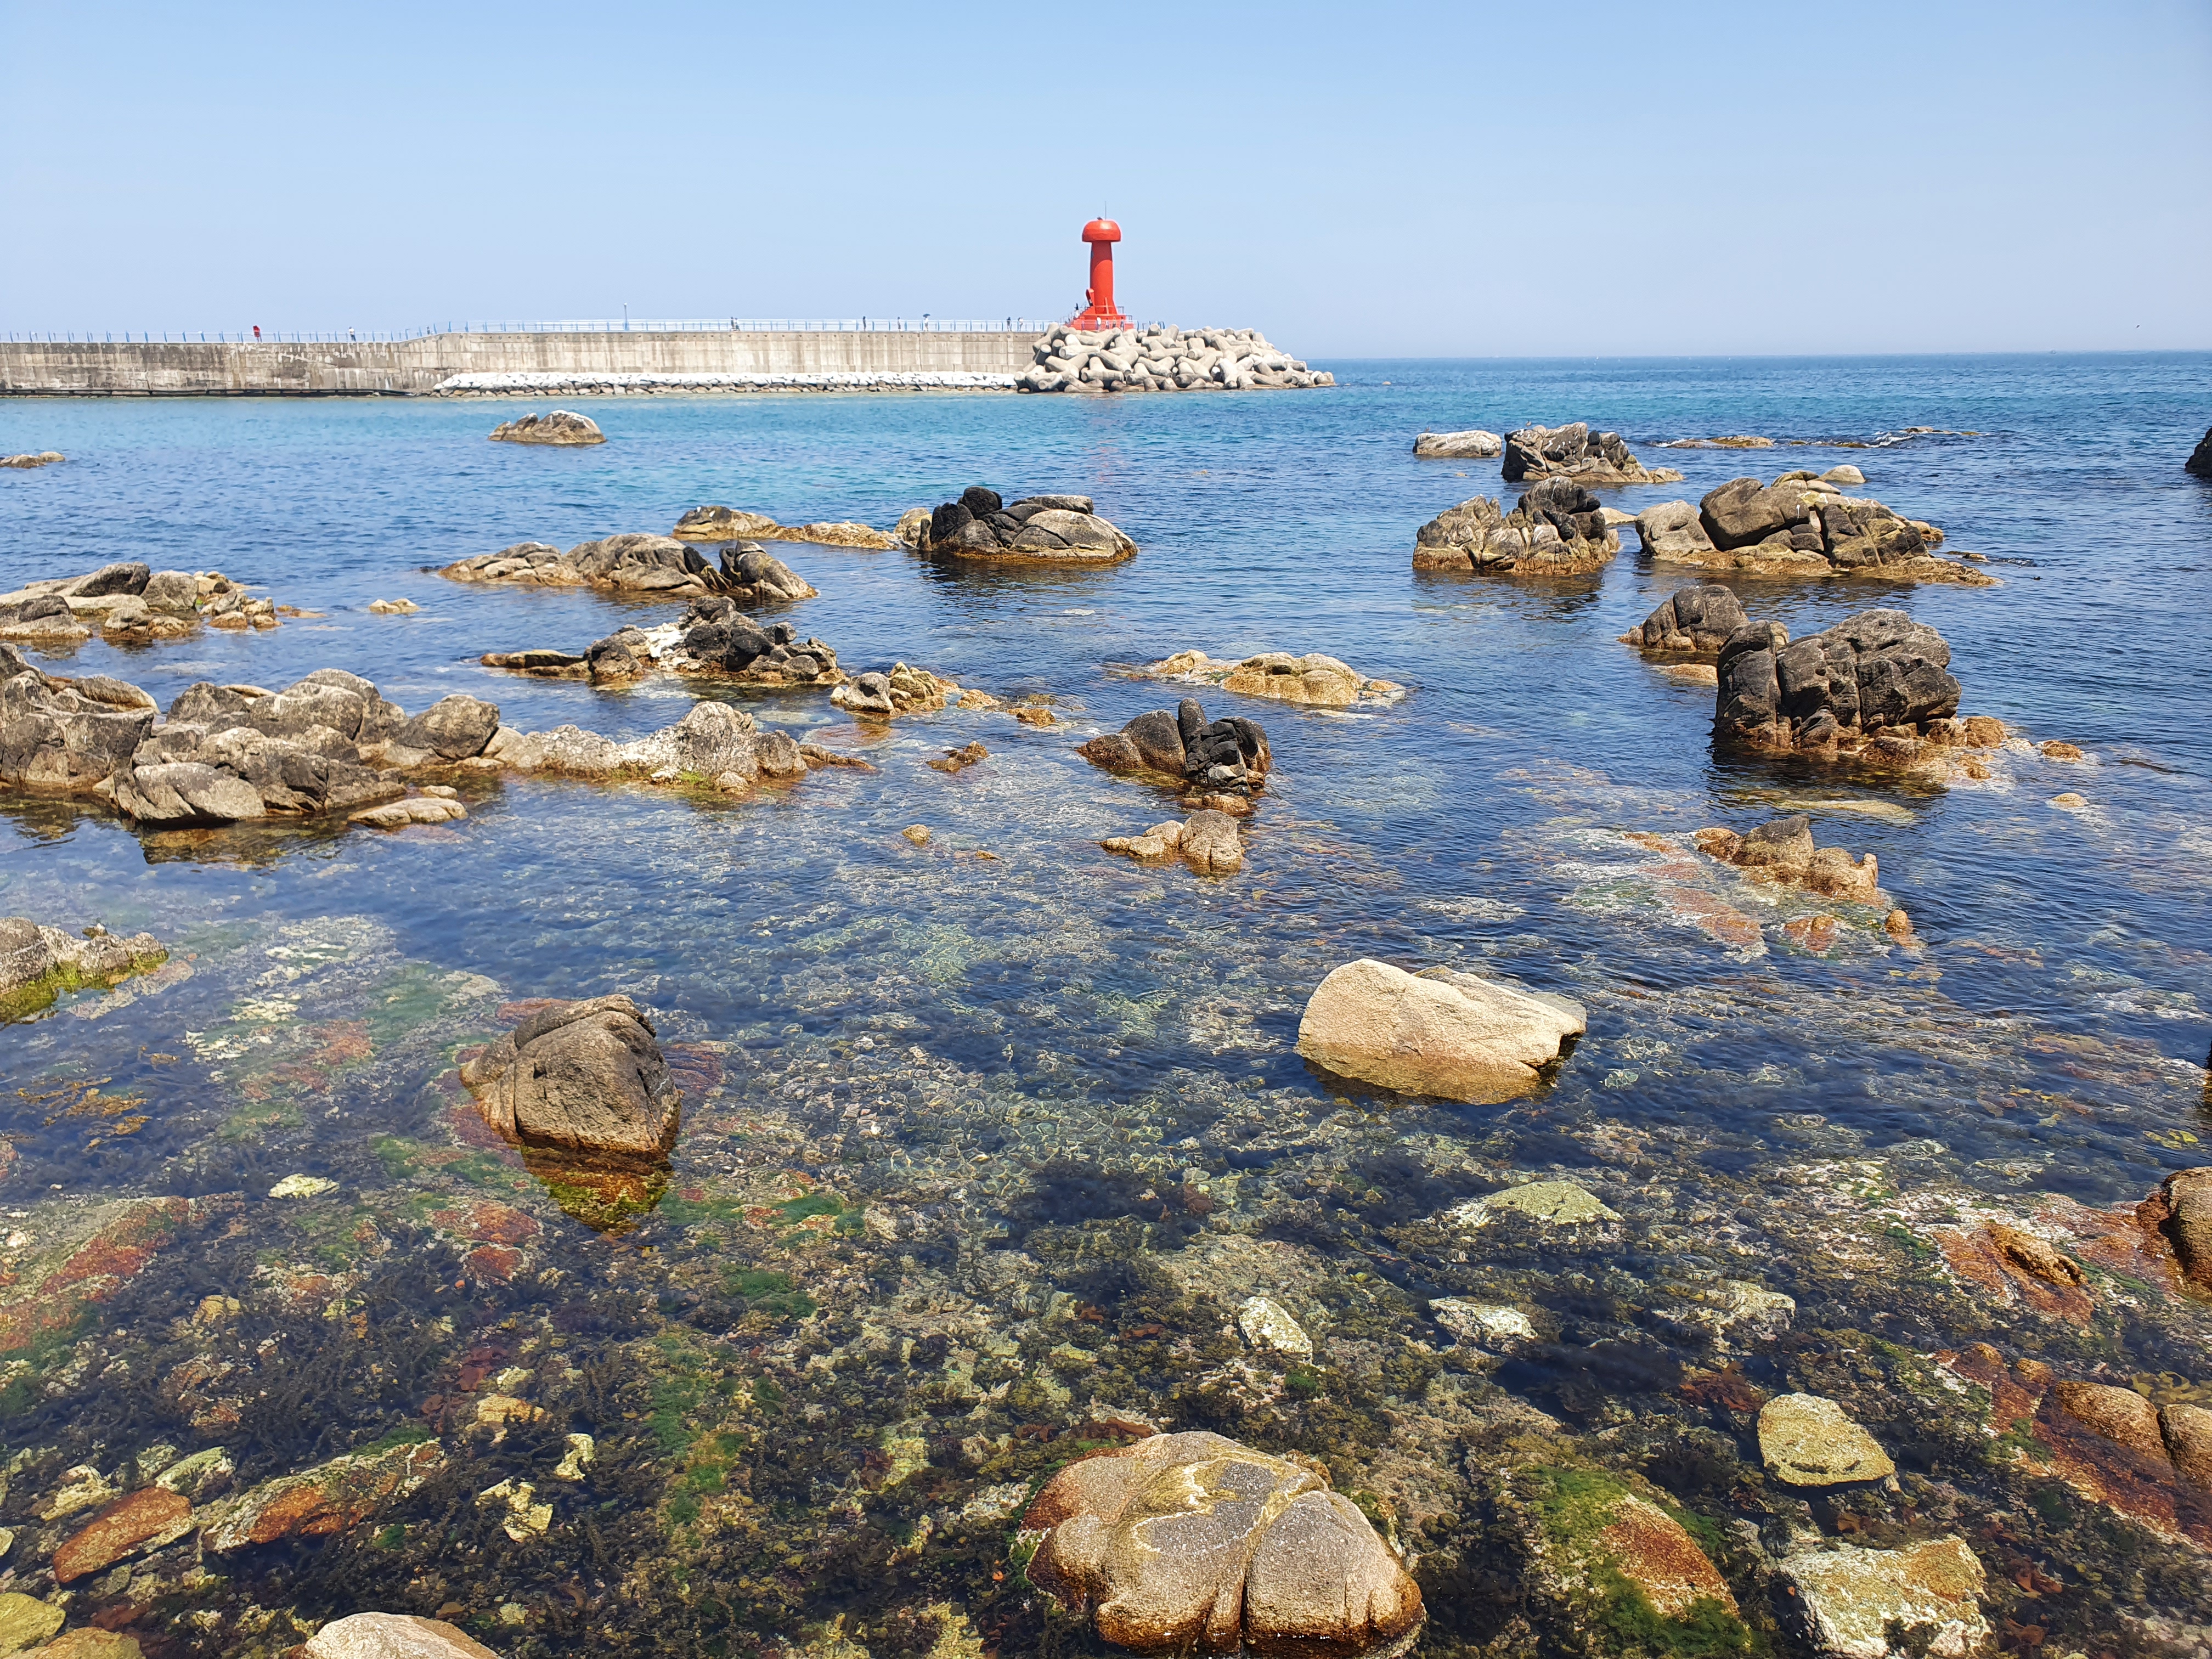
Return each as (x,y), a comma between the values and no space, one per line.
(1454,179)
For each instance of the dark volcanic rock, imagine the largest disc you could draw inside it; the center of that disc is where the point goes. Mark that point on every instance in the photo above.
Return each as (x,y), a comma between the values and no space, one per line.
(1694,621)
(1224,754)
(1035,530)
(2200,459)
(1877,674)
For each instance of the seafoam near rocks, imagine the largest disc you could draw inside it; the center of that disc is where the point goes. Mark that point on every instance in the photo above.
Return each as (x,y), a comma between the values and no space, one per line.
(1164,358)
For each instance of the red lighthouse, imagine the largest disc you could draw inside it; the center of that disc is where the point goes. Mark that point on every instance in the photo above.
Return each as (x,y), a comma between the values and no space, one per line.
(1100,312)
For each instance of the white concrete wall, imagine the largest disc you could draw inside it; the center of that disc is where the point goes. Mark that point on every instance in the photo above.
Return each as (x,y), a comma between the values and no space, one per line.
(168,368)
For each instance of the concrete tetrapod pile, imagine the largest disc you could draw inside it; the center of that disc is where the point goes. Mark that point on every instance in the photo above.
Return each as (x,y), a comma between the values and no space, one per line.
(1164,358)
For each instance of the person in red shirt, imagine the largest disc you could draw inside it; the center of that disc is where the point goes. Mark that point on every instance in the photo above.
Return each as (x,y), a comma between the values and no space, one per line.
(257,330)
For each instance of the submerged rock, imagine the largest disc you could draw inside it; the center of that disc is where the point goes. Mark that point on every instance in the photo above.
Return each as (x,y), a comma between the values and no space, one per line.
(1782,850)
(1558,529)
(1313,680)
(1472,445)
(393,1636)
(331,1498)
(2181,1210)
(1232,753)
(1885,1604)
(1597,459)
(1546,1203)
(1035,530)
(146,1519)
(38,965)
(1450,1035)
(1807,1441)
(1269,1559)
(580,1078)
(560,427)
(1207,840)
(25,1621)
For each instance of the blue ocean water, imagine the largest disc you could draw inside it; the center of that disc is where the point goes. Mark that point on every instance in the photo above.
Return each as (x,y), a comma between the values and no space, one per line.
(1479,821)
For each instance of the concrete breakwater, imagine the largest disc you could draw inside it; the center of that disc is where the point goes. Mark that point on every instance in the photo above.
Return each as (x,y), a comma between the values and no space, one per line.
(736,360)
(606,386)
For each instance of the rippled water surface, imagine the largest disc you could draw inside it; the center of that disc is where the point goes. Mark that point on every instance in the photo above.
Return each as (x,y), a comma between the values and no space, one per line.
(986,1057)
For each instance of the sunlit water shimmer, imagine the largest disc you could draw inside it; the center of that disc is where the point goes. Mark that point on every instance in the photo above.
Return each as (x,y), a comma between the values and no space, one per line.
(980,1150)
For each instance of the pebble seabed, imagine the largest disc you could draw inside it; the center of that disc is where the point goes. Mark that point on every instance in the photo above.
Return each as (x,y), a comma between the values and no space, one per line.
(986,1142)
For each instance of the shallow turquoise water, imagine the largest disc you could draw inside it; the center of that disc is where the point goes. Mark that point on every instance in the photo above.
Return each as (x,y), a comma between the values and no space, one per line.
(1052,1008)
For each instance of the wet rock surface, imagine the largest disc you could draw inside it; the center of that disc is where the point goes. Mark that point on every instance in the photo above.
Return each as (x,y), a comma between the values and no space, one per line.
(1598,460)
(393,1636)
(582,1078)
(638,564)
(1877,685)
(1313,680)
(561,426)
(1192,1541)
(1691,622)
(1556,529)
(1035,530)
(895,690)
(39,963)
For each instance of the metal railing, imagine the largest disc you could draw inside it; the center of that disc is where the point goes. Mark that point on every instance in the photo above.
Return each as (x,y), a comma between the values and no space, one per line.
(592,325)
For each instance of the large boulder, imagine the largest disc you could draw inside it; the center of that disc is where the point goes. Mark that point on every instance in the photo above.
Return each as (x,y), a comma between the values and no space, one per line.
(1878,673)
(453,728)
(1472,445)
(560,427)
(1035,530)
(1556,529)
(393,1636)
(1269,1560)
(1596,459)
(1800,524)
(582,1078)
(2199,461)
(1694,621)
(1229,754)
(1450,1035)
(754,576)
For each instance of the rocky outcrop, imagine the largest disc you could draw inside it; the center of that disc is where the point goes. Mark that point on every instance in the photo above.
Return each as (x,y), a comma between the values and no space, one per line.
(582,1078)
(1876,683)
(1313,680)
(1035,530)
(2199,461)
(1162,358)
(1207,842)
(1800,524)
(1782,851)
(561,427)
(640,564)
(729,523)
(66,736)
(1738,440)
(713,638)
(2181,1210)
(1598,460)
(713,743)
(129,602)
(897,689)
(43,457)
(393,1636)
(1450,1035)
(1269,1560)
(1556,529)
(1230,754)
(1476,445)
(1691,622)
(37,964)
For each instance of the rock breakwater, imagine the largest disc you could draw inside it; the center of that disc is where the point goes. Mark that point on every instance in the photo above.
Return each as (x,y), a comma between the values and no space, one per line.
(1164,358)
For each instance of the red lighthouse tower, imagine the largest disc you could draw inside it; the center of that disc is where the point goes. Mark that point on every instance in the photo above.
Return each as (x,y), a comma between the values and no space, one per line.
(1100,312)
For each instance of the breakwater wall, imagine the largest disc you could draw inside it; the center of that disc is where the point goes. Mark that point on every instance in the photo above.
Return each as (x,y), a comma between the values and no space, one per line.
(342,369)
